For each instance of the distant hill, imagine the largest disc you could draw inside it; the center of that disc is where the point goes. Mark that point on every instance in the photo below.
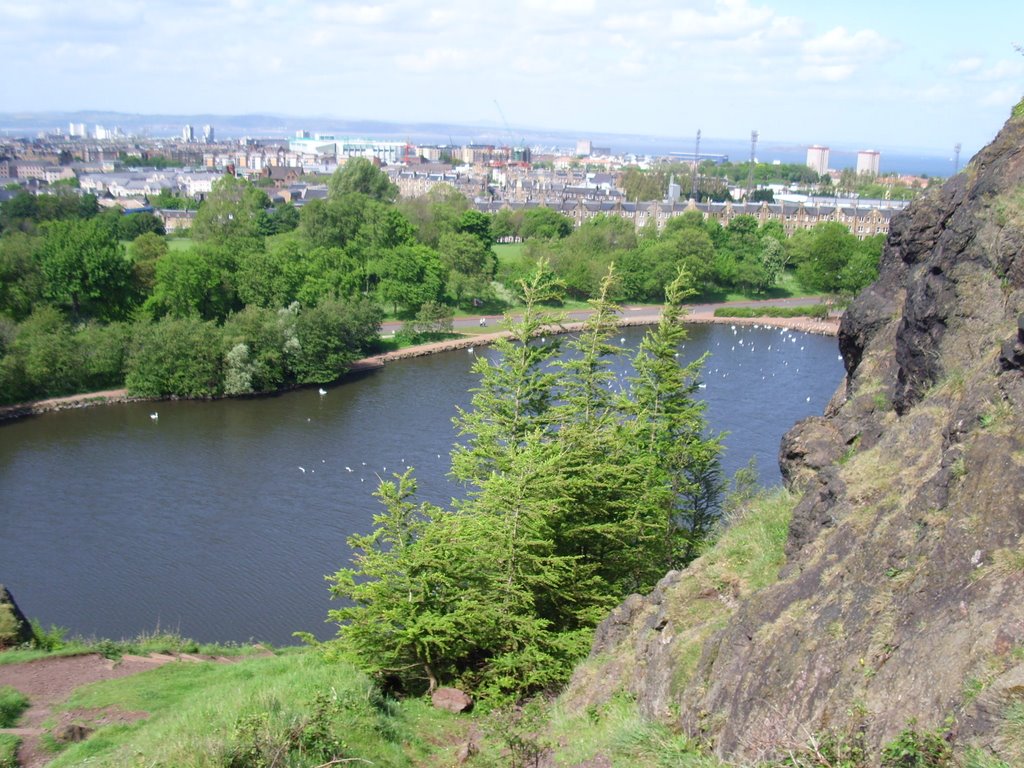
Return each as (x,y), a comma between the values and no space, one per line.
(268,126)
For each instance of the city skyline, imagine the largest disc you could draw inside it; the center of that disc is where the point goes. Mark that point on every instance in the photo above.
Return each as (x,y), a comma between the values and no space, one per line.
(881,75)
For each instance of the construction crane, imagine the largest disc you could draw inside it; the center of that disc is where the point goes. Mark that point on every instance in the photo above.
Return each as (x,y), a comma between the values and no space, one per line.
(511,136)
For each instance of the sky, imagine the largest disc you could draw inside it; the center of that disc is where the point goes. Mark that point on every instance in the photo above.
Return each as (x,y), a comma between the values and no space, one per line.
(899,74)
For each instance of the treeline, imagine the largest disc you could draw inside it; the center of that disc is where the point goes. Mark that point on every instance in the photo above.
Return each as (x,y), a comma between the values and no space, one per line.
(713,179)
(273,297)
(260,298)
(580,492)
(742,256)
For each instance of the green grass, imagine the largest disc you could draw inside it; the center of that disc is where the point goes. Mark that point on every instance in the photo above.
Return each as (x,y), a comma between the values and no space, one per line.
(295,709)
(508,253)
(9,750)
(157,641)
(617,732)
(811,310)
(179,243)
(12,703)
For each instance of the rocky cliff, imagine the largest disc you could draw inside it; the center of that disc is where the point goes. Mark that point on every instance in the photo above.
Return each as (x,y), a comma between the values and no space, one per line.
(901,595)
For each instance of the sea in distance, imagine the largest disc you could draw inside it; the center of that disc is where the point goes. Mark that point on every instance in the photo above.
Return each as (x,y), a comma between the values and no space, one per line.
(219,520)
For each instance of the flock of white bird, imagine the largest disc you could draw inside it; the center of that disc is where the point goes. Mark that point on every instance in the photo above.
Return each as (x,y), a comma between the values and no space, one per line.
(787,337)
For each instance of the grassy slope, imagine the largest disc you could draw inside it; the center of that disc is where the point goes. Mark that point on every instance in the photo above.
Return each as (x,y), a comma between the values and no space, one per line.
(596,717)
(246,713)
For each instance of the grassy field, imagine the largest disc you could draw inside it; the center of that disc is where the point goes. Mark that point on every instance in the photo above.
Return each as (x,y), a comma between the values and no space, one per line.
(293,709)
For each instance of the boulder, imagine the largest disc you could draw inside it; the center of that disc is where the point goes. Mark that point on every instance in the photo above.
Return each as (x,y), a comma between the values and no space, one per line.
(451,699)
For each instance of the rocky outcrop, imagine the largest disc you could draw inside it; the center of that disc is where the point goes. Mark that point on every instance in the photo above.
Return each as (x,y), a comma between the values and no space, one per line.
(901,598)
(14,627)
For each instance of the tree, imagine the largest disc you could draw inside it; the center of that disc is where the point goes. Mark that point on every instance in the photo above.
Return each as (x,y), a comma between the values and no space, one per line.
(684,474)
(470,265)
(144,252)
(186,285)
(84,268)
(359,174)
(545,223)
(330,336)
(175,356)
(234,210)
(477,224)
(21,278)
(831,248)
(265,334)
(409,276)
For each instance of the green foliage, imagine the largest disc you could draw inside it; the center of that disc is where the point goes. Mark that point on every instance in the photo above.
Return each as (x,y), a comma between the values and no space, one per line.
(235,210)
(577,496)
(292,710)
(918,749)
(84,268)
(9,750)
(834,260)
(433,321)
(811,310)
(12,703)
(329,336)
(361,176)
(175,357)
(49,640)
(544,223)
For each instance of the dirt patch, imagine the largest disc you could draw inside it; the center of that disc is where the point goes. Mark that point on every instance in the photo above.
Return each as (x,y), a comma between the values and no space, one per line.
(48,682)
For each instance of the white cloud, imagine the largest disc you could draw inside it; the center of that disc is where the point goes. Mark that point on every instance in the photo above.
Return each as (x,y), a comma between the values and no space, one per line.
(628,22)
(837,54)
(1002,97)
(825,73)
(432,59)
(561,7)
(837,42)
(1001,70)
(966,66)
(86,52)
(352,14)
(730,19)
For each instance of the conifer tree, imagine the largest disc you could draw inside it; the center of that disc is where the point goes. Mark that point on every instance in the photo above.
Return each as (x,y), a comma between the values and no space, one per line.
(685,482)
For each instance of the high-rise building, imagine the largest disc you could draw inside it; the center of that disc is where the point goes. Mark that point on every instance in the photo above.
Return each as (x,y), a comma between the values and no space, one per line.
(868,162)
(817,159)
(76,130)
(208,134)
(584,147)
(188,134)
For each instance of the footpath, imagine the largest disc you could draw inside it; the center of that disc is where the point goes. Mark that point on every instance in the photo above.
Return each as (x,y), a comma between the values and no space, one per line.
(630,316)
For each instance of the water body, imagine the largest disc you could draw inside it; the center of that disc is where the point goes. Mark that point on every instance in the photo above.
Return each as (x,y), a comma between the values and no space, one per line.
(220,519)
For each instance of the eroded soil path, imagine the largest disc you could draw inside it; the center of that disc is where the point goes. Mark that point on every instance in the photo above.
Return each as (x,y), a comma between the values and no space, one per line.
(49,682)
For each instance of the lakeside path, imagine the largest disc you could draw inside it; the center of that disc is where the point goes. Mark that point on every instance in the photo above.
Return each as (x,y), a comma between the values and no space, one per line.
(477,336)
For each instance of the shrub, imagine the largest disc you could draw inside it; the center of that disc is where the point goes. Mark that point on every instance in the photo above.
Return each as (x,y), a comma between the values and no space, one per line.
(12,703)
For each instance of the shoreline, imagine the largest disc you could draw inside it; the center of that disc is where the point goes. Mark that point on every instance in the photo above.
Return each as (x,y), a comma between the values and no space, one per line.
(638,316)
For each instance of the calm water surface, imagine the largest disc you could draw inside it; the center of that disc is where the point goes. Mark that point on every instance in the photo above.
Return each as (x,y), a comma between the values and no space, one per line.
(202,521)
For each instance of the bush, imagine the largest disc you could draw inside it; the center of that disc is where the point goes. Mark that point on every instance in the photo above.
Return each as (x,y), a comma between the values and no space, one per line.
(811,310)
(918,749)
(175,357)
(12,703)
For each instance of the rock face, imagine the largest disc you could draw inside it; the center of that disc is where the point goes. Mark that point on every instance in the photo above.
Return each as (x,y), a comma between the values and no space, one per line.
(902,593)
(14,627)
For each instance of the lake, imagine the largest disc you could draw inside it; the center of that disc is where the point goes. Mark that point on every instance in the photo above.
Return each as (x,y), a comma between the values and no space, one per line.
(220,519)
